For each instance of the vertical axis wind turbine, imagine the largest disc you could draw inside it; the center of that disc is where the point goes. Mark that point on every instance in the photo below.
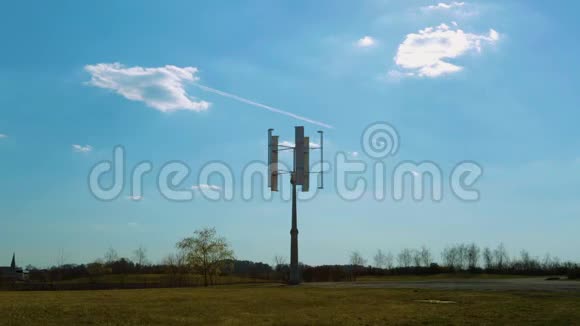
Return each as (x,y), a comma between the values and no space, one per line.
(300,175)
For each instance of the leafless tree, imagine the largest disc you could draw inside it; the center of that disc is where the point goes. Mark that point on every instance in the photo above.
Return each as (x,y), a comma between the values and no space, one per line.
(174,260)
(389,262)
(405,258)
(140,256)
(450,257)
(206,252)
(501,256)
(280,261)
(416,254)
(462,254)
(529,263)
(473,255)
(176,267)
(281,267)
(550,263)
(380,259)
(60,258)
(356,259)
(525,258)
(488,258)
(111,255)
(425,255)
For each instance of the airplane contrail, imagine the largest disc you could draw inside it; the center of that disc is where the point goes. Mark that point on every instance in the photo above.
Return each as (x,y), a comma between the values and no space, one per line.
(263,106)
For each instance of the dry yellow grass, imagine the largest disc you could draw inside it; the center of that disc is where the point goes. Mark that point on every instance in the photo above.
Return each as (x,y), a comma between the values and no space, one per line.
(254,305)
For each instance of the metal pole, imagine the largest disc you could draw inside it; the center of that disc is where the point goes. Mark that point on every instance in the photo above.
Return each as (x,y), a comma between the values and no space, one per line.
(294,273)
(321,186)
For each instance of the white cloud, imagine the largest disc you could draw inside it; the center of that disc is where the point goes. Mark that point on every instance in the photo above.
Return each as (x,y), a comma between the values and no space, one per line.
(206,187)
(396,75)
(161,88)
(291,144)
(460,10)
(365,42)
(135,198)
(425,53)
(82,149)
(444,6)
(353,154)
(3,136)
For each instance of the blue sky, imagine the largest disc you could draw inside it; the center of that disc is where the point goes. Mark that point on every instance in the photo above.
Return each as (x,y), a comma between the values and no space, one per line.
(499,89)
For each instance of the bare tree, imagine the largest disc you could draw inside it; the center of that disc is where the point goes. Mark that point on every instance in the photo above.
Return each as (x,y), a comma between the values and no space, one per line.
(206,252)
(416,257)
(473,255)
(425,256)
(488,258)
(389,262)
(450,257)
(528,262)
(280,261)
(356,261)
(140,256)
(111,255)
(501,256)
(462,256)
(405,258)
(380,259)
(281,267)
(550,263)
(175,265)
(60,258)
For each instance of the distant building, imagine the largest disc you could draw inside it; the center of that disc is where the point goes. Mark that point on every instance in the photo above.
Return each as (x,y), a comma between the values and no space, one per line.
(11,273)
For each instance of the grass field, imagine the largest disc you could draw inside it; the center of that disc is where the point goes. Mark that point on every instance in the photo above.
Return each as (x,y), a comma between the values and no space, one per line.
(275,304)
(158,278)
(446,276)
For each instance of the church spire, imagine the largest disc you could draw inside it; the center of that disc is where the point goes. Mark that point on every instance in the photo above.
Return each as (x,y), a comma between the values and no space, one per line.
(13,264)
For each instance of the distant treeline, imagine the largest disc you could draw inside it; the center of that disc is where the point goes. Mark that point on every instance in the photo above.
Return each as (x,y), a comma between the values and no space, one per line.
(177,270)
(463,257)
(455,258)
(93,272)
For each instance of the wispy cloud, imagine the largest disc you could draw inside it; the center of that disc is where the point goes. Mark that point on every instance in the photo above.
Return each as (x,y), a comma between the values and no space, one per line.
(455,8)
(426,53)
(292,144)
(135,198)
(206,187)
(163,88)
(263,106)
(82,149)
(2,136)
(444,6)
(365,42)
